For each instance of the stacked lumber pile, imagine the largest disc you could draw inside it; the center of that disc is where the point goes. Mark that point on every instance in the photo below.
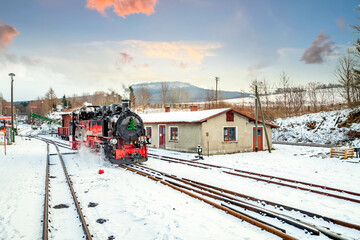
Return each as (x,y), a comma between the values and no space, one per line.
(342,152)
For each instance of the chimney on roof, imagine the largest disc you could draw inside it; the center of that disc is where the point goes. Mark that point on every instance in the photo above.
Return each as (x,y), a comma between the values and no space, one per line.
(193,108)
(167,108)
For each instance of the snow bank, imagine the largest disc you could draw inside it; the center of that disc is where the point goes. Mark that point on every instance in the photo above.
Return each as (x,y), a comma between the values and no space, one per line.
(326,129)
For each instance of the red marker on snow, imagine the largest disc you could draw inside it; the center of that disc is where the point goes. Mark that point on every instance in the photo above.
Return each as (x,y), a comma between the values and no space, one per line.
(101,171)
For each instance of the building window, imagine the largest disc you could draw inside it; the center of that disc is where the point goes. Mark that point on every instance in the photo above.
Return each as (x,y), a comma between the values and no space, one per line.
(174,133)
(229,133)
(149,131)
(229,116)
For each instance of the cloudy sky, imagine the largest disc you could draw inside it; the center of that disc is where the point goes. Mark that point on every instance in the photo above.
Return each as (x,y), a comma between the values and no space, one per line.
(87,45)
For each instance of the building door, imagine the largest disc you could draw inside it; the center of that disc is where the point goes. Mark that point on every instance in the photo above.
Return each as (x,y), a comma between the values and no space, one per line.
(260,139)
(162,137)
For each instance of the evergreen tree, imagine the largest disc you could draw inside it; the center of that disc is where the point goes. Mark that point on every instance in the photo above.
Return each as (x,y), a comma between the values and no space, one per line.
(131,124)
(64,101)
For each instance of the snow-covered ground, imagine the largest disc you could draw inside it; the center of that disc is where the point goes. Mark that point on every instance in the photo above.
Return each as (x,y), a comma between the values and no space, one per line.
(137,208)
(328,129)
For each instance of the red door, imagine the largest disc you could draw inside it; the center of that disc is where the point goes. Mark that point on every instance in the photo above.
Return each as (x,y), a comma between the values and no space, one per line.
(162,136)
(260,139)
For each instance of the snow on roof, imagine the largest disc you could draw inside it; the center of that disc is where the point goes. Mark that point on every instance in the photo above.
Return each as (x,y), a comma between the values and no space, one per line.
(186,117)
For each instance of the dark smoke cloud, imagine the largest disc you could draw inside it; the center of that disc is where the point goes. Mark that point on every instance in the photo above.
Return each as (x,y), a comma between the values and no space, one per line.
(318,50)
(7,33)
(12,58)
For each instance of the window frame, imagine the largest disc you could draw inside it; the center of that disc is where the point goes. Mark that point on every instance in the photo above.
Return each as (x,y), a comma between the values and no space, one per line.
(170,134)
(236,136)
(230,116)
(146,131)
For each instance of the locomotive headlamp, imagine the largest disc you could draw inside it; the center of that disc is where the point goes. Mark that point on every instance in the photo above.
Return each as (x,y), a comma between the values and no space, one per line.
(113,141)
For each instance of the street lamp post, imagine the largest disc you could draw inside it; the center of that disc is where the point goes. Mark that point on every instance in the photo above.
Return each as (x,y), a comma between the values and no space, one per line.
(12,108)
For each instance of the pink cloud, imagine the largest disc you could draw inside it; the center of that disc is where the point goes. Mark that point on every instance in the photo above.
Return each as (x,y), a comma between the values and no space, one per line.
(123,7)
(341,23)
(7,34)
(125,58)
(182,65)
(140,66)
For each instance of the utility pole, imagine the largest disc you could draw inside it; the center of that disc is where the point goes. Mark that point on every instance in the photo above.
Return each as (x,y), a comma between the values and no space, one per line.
(12,109)
(262,119)
(256,127)
(216,80)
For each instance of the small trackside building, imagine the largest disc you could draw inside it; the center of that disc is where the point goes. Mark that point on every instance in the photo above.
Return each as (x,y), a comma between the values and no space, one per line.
(218,131)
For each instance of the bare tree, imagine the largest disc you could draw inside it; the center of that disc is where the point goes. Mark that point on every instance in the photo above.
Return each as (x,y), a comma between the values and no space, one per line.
(74,101)
(179,95)
(50,101)
(143,95)
(210,97)
(312,88)
(285,85)
(297,99)
(323,97)
(98,98)
(1,103)
(344,73)
(331,95)
(254,83)
(112,97)
(164,92)
(263,87)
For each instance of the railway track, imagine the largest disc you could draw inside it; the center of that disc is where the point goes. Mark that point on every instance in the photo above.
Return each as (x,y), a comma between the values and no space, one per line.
(300,185)
(59,220)
(252,210)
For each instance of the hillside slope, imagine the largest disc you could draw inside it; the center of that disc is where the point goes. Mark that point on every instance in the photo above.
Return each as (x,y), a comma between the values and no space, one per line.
(196,94)
(336,128)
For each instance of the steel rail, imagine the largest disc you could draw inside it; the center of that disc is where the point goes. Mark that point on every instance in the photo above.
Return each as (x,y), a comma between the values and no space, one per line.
(310,214)
(224,198)
(265,175)
(292,221)
(63,145)
(312,229)
(229,211)
(77,203)
(194,164)
(46,201)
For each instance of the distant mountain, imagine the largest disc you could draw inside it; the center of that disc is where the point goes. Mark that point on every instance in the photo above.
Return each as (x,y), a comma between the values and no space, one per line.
(193,93)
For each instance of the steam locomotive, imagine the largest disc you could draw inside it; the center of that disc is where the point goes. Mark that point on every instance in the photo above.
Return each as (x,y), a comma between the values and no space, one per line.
(114,130)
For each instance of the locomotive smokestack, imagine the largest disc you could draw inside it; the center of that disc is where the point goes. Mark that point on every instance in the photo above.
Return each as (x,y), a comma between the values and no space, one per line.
(125,105)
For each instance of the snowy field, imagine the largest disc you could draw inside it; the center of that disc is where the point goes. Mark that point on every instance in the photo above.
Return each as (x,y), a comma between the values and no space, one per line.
(134,207)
